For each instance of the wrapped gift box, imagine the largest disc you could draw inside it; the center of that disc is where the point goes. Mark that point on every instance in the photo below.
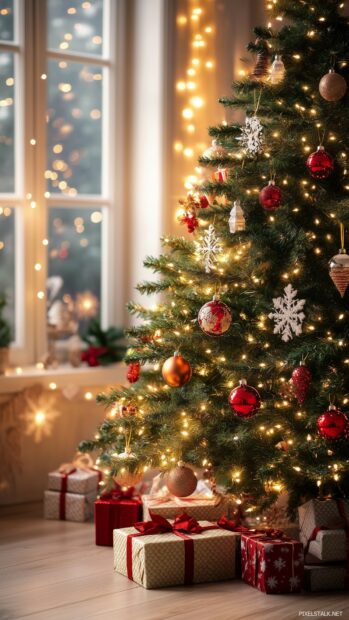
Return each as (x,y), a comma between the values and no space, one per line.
(68,506)
(271,564)
(111,513)
(328,546)
(201,509)
(82,481)
(321,578)
(316,514)
(168,559)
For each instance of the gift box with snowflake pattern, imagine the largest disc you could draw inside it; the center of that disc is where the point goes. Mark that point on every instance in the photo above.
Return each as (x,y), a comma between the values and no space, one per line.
(166,559)
(273,565)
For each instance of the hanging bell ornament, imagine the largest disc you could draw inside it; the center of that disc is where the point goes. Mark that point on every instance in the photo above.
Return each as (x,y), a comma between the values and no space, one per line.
(301,380)
(176,371)
(277,73)
(320,164)
(339,271)
(333,424)
(260,70)
(244,400)
(332,86)
(270,196)
(214,317)
(236,218)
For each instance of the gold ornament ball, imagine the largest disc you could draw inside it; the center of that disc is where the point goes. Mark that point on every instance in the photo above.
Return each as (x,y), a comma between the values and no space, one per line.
(332,86)
(176,371)
(181,481)
(127,478)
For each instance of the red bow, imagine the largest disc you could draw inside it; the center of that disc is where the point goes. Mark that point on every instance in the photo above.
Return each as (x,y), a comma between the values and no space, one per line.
(91,356)
(159,525)
(119,493)
(269,534)
(182,526)
(233,526)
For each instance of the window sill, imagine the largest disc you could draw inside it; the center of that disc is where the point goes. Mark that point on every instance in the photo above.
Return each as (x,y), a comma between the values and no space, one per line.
(17,379)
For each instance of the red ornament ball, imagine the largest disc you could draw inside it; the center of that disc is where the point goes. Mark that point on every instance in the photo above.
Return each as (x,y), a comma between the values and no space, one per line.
(244,400)
(133,372)
(320,164)
(270,196)
(333,424)
(214,317)
(301,380)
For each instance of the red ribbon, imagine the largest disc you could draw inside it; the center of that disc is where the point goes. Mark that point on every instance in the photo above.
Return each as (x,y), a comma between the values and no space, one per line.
(63,490)
(313,536)
(64,480)
(182,526)
(62,495)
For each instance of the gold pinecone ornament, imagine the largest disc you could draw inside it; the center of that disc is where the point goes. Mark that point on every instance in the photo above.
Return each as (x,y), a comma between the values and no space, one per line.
(260,71)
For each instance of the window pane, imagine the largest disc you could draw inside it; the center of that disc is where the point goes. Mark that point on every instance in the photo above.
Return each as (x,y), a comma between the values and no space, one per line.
(74,128)
(76,26)
(6,20)
(7,262)
(74,284)
(7,123)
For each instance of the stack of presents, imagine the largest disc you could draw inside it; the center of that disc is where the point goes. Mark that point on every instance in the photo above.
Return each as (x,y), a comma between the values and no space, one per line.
(160,540)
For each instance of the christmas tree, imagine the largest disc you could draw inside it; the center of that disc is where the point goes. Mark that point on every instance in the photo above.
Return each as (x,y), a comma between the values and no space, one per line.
(256,293)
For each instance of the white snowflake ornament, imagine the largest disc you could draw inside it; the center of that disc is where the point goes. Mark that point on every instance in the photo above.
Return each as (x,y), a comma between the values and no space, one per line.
(252,138)
(288,315)
(209,248)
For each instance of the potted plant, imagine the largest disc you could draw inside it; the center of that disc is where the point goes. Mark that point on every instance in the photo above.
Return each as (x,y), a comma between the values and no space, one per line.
(104,346)
(5,337)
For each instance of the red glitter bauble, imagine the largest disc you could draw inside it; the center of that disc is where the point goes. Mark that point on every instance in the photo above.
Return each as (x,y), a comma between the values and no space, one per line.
(244,400)
(301,380)
(204,203)
(333,424)
(320,164)
(270,196)
(133,372)
(214,317)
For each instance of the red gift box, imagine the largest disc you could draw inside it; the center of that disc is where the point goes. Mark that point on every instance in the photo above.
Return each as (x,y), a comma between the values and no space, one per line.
(272,562)
(114,510)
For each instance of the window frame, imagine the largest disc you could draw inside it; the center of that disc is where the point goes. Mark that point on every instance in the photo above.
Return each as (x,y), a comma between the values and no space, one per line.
(31,224)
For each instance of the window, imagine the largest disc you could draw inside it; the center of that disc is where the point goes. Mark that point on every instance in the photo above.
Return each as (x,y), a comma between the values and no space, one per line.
(58,212)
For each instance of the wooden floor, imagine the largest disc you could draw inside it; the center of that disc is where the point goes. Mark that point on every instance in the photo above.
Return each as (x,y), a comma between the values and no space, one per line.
(52,570)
